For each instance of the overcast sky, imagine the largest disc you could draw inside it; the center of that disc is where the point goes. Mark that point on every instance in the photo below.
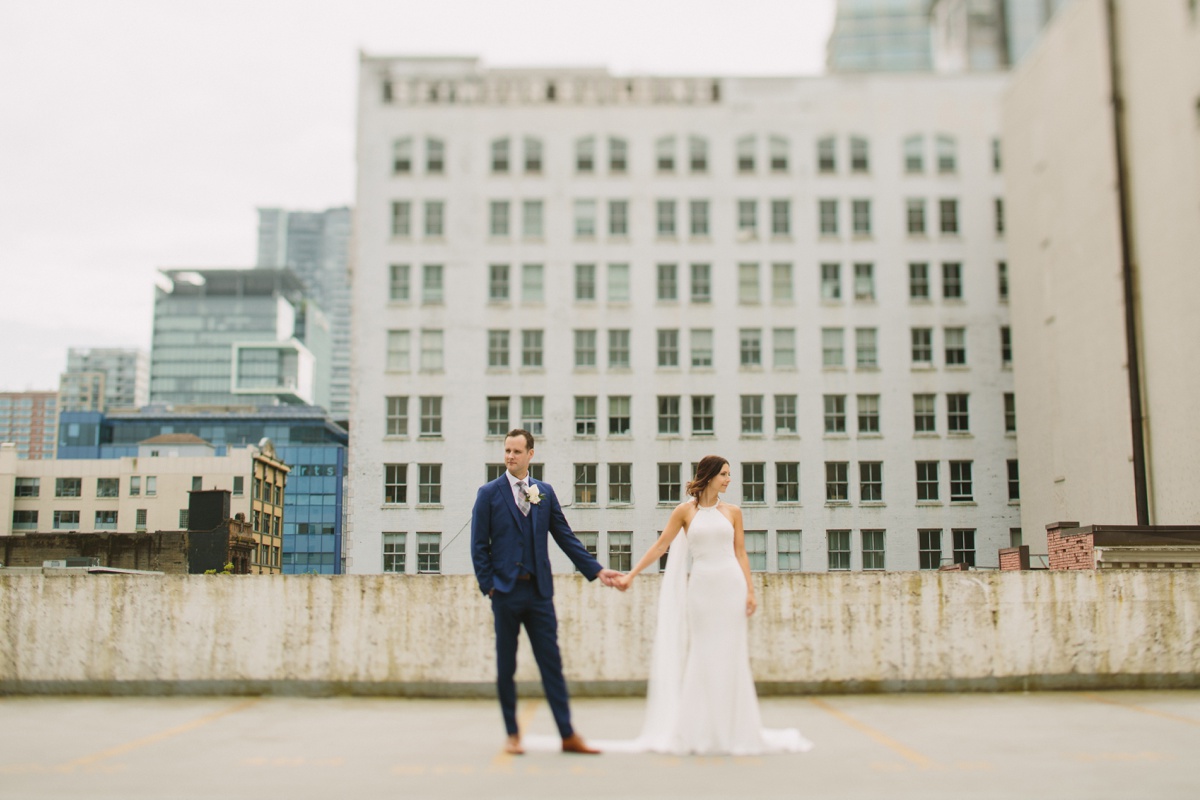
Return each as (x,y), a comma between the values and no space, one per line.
(139,134)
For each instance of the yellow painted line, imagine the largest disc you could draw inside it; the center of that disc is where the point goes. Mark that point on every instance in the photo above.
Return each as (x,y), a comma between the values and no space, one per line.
(905,752)
(525,713)
(1142,709)
(153,738)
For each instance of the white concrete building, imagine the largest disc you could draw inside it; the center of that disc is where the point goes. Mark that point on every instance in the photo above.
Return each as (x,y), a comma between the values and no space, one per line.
(1072,338)
(804,275)
(104,379)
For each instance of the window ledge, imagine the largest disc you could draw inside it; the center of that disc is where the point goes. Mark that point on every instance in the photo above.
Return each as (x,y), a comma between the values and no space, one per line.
(929,504)
(923,366)
(963,503)
(836,436)
(837,504)
(430,507)
(960,435)
(752,436)
(872,504)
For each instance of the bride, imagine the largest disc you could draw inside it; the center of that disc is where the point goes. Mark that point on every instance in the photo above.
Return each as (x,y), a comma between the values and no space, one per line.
(701,697)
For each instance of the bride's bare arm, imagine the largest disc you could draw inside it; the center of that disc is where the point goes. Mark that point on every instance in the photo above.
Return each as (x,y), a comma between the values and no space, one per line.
(739,549)
(678,520)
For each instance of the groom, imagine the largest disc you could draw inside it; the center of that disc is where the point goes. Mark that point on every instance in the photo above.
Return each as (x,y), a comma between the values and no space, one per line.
(512,516)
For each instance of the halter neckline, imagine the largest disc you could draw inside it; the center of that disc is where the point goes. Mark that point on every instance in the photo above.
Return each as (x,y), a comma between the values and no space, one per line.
(701,505)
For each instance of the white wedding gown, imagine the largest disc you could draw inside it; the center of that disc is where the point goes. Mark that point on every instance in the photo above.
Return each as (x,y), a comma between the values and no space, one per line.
(701,697)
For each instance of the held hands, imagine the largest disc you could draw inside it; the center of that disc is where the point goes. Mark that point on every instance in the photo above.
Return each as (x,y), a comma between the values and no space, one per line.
(610,577)
(623,582)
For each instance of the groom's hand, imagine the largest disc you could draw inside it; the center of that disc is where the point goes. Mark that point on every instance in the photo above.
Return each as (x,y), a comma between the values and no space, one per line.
(609,578)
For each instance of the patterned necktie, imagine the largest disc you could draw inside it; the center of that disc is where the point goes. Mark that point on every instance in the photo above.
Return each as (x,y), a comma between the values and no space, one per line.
(523,498)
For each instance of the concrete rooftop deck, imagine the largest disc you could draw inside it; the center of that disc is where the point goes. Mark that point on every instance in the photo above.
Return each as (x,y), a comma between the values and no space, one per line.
(1041,745)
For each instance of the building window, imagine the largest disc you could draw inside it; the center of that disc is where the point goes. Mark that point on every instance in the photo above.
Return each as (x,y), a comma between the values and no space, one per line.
(787,546)
(497,349)
(498,286)
(832,347)
(787,482)
(620,550)
(748,284)
(868,414)
(585,282)
(837,481)
(922,346)
(947,159)
(667,282)
(668,348)
(619,415)
(393,552)
(918,281)
(429,555)
(618,156)
(107,520)
(864,281)
(839,550)
(585,155)
(756,550)
(964,546)
(668,415)
(785,414)
(66,520)
(752,415)
(948,216)
(781,217)
(618,283)
(665,218)
(618,349)
(835,414)
(664,154)
(68,487)
(958,418)
(531,349)
(702,347)
(239,486)
(698,217)
(670,483)
(435,156)
(916,216)
(139,520)
(927,482)
(826,155)
(750,347)
(1010,412)
(585,349)
(859,155)
(870,487)
(873,550)
(25,520)
(866,348)
(432,284)
(1002,281)
(745,155)
(429,484)
(996,159)
(781,282)
(585,219)
(151,485)
(1005,346)
(532,216)
(1014,481)
(961,490)
(500,149)
(395,484)
(585,483)
(398,283)
(183,519)
(498,218)
(747,218)
(784,348)
(827,217)
(585,416)
(396,420)
(620,484)
(999,214)
(431,417)
(497,416)
(702,415)
(402,156)
(924,418)
(108,487)
(618,217)
(952,280)
(861,217)
(778,153)
(697,154)
(32,487)
(914,155)
(831,282)
(956,346)
(401,218)
(930,544)
(533,156)
(435,213)
(754,488)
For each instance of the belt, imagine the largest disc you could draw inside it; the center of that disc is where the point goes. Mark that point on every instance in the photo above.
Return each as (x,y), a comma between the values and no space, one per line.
(524,576)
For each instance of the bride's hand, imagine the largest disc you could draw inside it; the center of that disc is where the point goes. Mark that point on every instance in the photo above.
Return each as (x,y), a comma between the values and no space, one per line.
(751,605)
(623,582)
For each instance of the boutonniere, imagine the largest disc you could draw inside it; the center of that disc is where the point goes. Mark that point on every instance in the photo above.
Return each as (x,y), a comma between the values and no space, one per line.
(533,494)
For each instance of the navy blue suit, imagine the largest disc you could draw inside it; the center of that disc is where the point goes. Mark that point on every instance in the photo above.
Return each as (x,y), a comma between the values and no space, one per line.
(505,544)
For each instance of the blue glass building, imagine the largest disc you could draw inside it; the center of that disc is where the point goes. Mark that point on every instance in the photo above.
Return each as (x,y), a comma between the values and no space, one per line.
(305,438)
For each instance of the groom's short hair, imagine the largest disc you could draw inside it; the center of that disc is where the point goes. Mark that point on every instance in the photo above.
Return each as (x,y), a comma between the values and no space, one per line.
(521,432)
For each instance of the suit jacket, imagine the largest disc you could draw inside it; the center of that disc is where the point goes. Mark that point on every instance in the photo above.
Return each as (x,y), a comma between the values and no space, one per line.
(496,538)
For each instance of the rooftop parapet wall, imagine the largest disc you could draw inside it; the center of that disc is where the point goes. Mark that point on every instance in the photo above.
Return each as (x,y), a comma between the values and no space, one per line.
(432,635)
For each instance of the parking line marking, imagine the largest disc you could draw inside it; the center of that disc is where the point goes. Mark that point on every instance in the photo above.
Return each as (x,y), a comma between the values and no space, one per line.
(1152,712)
(905,752)
(157,737)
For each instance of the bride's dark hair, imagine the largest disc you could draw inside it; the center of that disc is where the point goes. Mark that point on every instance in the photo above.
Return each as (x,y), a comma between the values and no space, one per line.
(708,468)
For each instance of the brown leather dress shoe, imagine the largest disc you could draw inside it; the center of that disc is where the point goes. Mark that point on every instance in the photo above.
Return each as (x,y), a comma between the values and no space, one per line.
(575,744)
(512,746)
